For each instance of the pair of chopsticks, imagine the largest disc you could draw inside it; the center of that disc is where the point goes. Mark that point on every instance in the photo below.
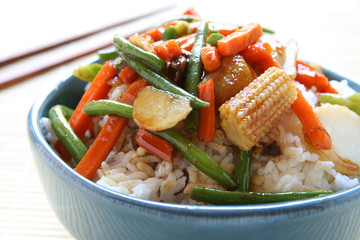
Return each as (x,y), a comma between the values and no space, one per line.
(128,26)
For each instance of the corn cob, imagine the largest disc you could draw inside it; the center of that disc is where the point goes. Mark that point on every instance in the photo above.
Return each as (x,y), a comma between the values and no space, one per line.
(249,115)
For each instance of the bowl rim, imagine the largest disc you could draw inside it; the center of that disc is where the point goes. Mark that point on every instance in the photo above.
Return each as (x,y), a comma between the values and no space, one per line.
(274,210)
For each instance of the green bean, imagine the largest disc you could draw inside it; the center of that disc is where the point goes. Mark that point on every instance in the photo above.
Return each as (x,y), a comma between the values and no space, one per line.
(194,67)
(221,197)
(214,38)
(241,173)
(149,58)
(160,81)
(58,115)
(169,33)
(200,159)
(197,157)
(87,73)
(267,30)
(193,74)
(104,107)
(352,102)
(107,54)
(192,121)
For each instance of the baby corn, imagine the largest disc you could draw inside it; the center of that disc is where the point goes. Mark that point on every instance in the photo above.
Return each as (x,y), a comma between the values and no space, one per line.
(248,116)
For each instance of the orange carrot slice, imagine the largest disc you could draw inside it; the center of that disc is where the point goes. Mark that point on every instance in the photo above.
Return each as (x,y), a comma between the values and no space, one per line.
(206,130)
(167,50)
(307,75)
(127,75)
(239,40)
(187,42)
(155,144)
(210,58)
(317,134)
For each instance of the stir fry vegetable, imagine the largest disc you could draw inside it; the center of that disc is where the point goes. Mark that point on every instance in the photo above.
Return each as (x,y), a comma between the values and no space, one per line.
(192,153)
(160,81)
(59,116)
(87,73)
(352,102)
(98,89)
(149,58)
(241,173)
(192,78)
(108,136)
(245,120)
(193,73)
(220,197)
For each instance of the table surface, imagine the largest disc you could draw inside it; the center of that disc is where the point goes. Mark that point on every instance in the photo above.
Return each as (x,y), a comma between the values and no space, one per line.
(327,32)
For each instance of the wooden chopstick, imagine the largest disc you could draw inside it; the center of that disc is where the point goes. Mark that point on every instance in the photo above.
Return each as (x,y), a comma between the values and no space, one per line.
(140,24)
(16,77)
(51,45)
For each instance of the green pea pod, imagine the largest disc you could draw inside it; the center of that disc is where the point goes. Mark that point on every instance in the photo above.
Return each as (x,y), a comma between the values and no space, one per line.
(87,73)
(130,49)
(197,157)
(58,115)
(241,173)
(221,197)
(107,54)
(105,107)
(160,81)
(351,102)
(193,74)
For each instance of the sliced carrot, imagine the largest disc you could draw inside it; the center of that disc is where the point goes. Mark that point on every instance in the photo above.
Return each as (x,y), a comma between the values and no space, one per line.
(206,130)
(80,122)
(227,29)
(309,76)
(108,136)
(211,58)
(330,89)
(127,75)
(155,34)
(168,50)
(191,11)
(132,91)
(317,134)
(187,42)
(98,89)
(101,147)
(155,144)
(239,40)
(260,53)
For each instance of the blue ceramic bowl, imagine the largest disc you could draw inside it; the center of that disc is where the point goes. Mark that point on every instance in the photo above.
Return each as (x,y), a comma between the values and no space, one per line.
(90,211)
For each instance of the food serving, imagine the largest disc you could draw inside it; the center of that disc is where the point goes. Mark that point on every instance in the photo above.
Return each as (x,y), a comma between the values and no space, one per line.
(197,112)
